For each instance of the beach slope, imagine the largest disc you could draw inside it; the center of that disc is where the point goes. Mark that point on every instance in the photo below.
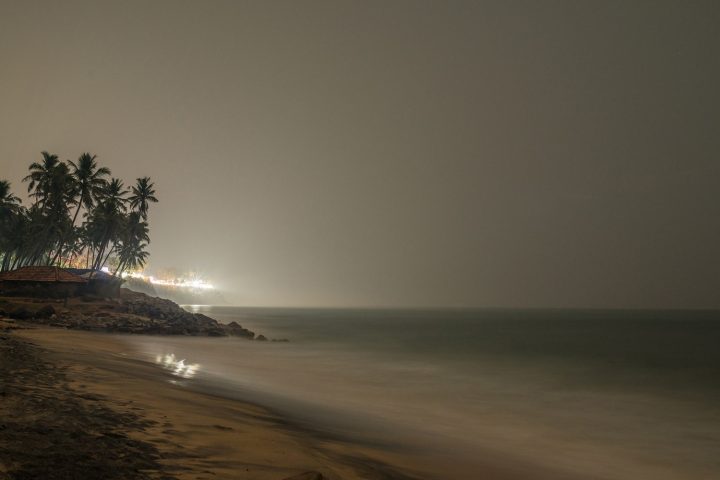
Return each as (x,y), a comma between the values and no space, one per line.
(75,405)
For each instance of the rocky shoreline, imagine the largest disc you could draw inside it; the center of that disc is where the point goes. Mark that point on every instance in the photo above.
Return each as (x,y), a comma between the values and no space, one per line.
(130,312)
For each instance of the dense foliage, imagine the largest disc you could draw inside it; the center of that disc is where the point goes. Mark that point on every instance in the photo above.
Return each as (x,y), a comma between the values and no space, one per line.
(114,226)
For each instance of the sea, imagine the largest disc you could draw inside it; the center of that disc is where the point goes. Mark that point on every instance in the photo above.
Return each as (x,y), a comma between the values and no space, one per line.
(601,394)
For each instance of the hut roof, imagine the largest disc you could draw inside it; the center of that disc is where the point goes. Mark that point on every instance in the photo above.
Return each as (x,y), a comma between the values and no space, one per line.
(40,274)
(86,273)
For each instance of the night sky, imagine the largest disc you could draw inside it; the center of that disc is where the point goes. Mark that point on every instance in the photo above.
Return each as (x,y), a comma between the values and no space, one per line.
(393,153)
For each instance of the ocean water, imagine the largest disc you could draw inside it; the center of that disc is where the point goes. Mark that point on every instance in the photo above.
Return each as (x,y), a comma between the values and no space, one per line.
(574,394)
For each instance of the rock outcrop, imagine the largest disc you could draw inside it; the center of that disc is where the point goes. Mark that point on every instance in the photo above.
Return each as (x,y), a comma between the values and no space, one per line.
(131,312)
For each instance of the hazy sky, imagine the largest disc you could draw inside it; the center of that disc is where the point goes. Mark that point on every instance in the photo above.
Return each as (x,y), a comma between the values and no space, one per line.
(505,153)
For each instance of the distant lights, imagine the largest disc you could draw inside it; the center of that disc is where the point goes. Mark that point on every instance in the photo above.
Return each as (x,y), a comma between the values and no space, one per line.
(196,284)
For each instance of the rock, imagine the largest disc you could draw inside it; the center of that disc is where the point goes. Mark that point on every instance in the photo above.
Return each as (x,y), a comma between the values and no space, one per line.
(46,311)
(132,312)
(21,313)
(307,476)
(205,320)
(261,338)
(216,333)
(237,330)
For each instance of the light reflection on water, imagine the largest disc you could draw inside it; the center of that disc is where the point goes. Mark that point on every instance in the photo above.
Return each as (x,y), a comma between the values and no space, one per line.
(177,367)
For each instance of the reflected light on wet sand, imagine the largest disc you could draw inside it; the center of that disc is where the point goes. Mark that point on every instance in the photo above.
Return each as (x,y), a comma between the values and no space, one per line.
(177,367)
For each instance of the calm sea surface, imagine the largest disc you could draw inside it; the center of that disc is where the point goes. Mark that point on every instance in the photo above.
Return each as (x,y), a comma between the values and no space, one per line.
(593,394)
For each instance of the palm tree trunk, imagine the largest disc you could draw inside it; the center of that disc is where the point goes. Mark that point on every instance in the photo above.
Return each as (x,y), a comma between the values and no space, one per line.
(119,270)
(101,249)
(80,202)
(72,225)
(108,254)
(98,256)
(99,260)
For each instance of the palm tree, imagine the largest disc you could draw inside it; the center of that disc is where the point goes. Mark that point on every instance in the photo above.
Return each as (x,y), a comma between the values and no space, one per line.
(51,184)
(14,239)
(74,249)
(142,193)
(133,240)
(133,257)
(114,194)
(46,231)
(89,181)
(10,210)
(108,218)
(40,177)
(9,203)
(59,194)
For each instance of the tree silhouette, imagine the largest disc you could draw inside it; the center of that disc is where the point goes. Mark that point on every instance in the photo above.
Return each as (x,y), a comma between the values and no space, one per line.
(142,193)
(45,233)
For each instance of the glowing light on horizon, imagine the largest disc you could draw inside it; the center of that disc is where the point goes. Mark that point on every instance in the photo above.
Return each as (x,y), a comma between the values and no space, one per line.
(196,283)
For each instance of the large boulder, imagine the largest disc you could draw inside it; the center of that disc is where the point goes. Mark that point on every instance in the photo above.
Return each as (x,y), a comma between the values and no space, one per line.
(237,330)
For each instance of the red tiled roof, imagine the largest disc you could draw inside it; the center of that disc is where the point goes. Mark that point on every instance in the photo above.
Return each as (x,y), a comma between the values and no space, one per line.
(40,274)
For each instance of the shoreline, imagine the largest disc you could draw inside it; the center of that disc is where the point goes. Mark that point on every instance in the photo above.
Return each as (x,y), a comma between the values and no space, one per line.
(186,433)
(183,432)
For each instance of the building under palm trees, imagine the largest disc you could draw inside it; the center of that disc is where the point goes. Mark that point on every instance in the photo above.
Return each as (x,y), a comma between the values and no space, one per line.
(52,282)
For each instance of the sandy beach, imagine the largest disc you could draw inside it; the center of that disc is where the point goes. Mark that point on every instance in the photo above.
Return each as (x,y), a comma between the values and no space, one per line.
(78,404)
(162,429)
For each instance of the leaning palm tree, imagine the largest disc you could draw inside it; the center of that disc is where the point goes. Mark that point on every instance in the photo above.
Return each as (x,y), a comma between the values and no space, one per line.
(51,184)
(132,256)
(142,193)
(133,237)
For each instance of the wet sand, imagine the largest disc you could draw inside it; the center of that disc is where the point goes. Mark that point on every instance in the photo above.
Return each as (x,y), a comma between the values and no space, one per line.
(76,405)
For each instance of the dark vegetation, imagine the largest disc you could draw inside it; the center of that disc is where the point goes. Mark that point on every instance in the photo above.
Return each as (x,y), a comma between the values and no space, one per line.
(114,223)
